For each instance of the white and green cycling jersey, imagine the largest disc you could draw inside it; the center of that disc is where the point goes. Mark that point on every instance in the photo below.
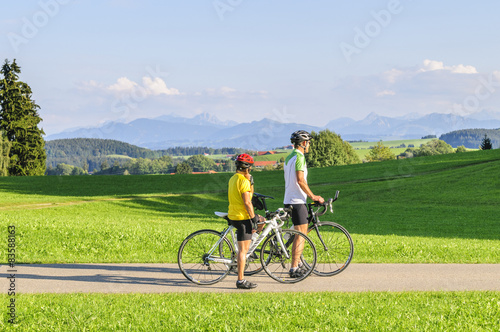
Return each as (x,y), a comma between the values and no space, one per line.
(293,163)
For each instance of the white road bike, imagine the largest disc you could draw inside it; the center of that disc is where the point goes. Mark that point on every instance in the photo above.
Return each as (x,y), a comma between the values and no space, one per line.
(206,257)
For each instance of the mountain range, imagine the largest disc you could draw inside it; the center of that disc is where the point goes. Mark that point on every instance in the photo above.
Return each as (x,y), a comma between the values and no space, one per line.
(207,130)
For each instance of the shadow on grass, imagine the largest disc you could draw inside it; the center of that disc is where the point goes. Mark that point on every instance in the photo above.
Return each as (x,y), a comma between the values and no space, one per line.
(185,206)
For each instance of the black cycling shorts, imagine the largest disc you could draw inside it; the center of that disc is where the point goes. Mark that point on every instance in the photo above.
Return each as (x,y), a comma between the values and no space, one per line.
(243,229)
(299,214)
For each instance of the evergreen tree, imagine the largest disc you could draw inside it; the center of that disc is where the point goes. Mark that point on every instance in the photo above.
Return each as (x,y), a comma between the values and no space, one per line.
(4,155)
(486,143)
(19,120)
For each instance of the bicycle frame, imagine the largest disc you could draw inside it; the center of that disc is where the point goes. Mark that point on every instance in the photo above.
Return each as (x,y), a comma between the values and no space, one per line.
(314,218)
(272,224)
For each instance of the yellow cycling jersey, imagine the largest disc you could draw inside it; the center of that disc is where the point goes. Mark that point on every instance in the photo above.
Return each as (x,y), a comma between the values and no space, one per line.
(238,185)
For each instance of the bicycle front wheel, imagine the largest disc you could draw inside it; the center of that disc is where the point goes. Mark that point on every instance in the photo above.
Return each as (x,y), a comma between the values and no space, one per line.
(253,265)
(196,261)
(277,261)
(334,248)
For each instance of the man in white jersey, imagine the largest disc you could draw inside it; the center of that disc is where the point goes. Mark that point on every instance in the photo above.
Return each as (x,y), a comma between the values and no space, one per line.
(296,193)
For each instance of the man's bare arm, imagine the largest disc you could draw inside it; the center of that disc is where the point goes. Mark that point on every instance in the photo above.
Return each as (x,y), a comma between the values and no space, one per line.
(305,187)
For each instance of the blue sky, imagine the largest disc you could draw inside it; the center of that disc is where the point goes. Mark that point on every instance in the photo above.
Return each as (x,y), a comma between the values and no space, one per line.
(310,62)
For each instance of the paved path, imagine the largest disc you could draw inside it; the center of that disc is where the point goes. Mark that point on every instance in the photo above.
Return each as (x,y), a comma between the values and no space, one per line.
(162,278)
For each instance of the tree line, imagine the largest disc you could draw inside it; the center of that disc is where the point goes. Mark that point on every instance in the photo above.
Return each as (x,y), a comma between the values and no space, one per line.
(472,138)
(167,165)
(90,154)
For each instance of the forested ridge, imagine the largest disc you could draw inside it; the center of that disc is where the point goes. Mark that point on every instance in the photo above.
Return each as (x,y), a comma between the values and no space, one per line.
(90,153)
(471,138)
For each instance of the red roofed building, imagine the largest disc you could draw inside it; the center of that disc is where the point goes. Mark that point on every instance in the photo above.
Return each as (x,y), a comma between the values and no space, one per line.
(263,153)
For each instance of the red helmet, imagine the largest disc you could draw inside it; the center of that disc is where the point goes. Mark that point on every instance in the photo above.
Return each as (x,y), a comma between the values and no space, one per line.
(244,161)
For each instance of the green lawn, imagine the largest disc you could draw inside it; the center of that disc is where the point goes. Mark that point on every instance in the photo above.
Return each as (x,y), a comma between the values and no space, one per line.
(408,311)
(415,142)
(363,148)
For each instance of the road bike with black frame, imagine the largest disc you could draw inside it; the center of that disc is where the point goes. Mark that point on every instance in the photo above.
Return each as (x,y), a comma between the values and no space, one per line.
(333,242)
(206,257)
(334,245)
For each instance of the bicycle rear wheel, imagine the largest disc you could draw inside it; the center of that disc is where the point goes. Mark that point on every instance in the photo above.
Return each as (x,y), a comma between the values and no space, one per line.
(334,248)
(276,263)
(195,261)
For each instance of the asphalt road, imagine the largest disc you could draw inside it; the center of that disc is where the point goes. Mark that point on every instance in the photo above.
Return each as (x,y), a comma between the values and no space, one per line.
(163,278)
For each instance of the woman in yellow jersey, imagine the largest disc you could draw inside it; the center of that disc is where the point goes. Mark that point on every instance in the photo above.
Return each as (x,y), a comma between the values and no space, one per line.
(241,213)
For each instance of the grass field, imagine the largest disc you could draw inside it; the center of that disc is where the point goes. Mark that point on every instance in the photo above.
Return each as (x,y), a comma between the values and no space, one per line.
(363,148)
(415,142)
(273,157)
(439,209)
(410,311)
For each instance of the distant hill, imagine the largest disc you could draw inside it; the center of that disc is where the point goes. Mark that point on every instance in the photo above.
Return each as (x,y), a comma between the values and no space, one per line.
(375,127)
(207,130)
(203,119)
(471,138)
(141,131)
(89,153)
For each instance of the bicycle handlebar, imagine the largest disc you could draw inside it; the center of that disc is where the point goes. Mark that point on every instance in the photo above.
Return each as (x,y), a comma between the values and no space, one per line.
(283,214)
(326,204)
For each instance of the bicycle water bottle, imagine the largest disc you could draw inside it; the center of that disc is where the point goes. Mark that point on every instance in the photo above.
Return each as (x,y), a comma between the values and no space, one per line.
(255,235)
(287,235)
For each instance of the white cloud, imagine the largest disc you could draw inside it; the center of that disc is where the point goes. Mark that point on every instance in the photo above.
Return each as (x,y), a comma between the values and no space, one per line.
(227,90)
(157,86)
(431,65)
(392,75)
(386,93)
(90,85)
(429,87)
(123,84)
(220,92)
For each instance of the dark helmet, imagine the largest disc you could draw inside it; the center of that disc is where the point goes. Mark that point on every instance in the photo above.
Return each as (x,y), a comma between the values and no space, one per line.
(300,136)
(244,161)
